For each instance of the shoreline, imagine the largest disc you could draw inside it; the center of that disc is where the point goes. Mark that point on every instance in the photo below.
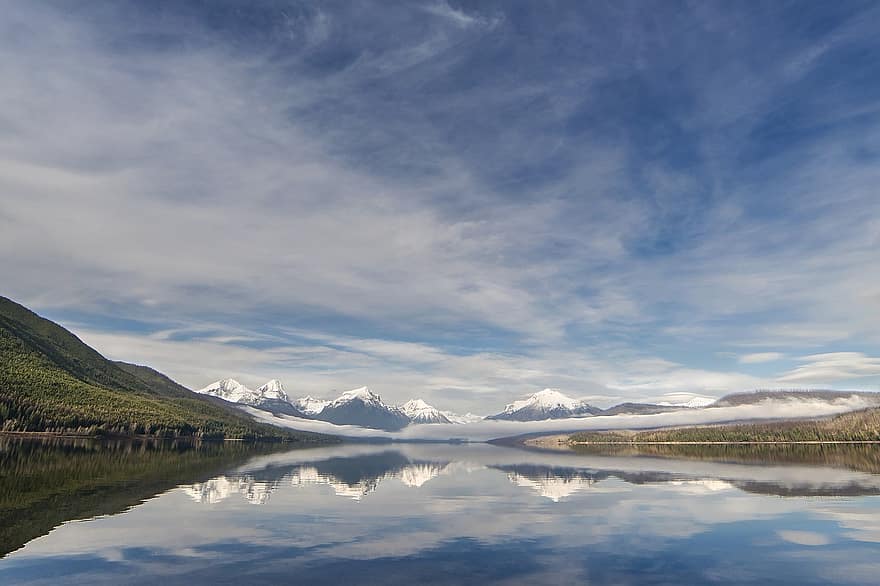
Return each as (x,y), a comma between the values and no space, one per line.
(558,442)
(53,435)
(731,443)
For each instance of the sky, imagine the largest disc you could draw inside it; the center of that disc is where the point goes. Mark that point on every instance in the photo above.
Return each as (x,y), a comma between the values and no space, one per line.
(460,201)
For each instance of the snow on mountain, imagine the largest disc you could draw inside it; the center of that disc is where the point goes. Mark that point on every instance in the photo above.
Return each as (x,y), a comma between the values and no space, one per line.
(273,390)
(420,412)
(269,397)
(310,405)
(361,394)
(363,407)
(233,391)
(546,404)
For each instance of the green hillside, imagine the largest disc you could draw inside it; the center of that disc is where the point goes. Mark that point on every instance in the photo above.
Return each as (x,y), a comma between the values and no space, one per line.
(50,381)
(861,425)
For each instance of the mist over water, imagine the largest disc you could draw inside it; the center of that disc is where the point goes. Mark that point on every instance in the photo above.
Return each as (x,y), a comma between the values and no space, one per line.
(441,514)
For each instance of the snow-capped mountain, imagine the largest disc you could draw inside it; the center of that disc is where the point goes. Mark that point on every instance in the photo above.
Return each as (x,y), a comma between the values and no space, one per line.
(420,412)
(309,405)
(274,399)
(273,390)
(359,406)
(270,396)
(233,391)
(546,404)
(364,408)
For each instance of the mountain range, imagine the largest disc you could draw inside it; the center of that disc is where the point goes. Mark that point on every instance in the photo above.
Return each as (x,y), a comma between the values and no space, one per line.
(364,408)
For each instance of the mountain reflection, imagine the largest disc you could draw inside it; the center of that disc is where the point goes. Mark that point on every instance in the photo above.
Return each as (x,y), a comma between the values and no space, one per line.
(358,475)
(351,478)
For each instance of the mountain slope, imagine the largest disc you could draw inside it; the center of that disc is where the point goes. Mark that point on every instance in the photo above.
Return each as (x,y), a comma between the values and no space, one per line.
(640,409)
(364,408)
(420,412)
(50,381)
(546,404)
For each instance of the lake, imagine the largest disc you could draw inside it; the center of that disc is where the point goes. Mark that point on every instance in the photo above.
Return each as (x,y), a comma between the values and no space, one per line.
(141,513)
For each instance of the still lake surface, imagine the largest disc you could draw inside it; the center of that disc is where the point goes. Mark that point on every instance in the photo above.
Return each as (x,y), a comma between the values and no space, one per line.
(123,513)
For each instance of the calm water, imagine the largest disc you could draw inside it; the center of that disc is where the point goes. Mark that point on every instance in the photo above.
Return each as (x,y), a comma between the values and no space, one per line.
(436,514)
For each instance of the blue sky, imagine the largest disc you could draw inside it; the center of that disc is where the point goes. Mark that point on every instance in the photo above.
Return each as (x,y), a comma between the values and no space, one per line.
(463,201)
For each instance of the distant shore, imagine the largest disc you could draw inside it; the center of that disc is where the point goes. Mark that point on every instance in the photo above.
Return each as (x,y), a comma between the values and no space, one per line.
(565,441)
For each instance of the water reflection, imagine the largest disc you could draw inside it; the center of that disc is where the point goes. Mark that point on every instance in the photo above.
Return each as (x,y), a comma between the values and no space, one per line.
(352,478)
(482,514)
(788,471)
(44,482)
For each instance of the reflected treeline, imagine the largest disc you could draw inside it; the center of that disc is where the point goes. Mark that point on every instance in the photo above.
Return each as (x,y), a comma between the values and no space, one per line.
(45,482)
(858,457)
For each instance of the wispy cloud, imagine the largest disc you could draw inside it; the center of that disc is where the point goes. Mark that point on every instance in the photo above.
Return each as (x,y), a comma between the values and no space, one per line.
(447,198)
(760,357)
(833,366)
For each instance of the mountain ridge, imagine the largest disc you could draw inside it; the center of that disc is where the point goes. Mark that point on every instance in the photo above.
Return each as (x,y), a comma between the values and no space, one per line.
(52,382)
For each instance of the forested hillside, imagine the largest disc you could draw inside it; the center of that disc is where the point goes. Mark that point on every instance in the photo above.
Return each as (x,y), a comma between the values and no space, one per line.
(50,381)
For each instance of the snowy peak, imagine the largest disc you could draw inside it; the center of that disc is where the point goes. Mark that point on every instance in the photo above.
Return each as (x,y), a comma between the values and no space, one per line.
(270,396)
(362,394)
(273,390)
(546,399)
(414,405)
(365,408)
(231,390)
(546,404)
(420,412)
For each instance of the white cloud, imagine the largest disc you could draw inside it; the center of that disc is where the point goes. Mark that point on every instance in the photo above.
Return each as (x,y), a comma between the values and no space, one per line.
(833,366)
(205,183)
(803,537)
(459,17)
(760,357)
